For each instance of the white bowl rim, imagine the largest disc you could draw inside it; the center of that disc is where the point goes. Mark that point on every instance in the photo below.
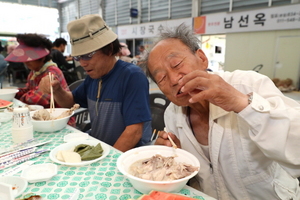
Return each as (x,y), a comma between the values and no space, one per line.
(153,147)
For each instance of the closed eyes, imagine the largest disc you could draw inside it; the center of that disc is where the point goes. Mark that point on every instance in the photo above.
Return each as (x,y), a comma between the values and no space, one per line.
(161,80)
(178,63)
(162,77)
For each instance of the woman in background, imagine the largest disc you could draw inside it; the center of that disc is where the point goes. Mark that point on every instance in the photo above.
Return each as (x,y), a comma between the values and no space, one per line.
(34,51)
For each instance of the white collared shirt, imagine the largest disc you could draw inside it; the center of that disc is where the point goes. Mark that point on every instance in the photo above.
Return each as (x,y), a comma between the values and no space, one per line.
(253,154)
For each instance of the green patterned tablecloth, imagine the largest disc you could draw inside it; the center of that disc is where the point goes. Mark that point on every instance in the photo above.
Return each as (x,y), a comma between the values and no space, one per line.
(100,180)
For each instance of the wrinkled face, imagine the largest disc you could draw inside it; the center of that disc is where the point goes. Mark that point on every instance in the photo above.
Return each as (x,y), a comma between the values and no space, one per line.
(96,66)
(169,61)
(35,65)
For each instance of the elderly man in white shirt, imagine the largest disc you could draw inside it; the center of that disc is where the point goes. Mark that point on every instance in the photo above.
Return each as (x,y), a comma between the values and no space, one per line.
(242,129)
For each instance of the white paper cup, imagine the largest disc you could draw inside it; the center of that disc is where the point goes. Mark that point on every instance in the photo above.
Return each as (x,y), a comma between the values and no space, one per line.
(21,118)
(21,135)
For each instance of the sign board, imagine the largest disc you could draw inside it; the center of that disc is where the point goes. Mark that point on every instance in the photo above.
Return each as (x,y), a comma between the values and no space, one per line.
(274,18)
(151,29)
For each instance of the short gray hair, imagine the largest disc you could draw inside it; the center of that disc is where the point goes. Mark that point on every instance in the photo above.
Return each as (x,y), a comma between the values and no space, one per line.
(182,33)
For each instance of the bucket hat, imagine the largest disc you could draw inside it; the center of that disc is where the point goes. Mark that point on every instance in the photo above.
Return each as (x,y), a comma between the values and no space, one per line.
(24,53)
(88,34)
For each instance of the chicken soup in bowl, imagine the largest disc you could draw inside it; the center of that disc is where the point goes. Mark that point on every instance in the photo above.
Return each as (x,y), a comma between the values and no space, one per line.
(141,166)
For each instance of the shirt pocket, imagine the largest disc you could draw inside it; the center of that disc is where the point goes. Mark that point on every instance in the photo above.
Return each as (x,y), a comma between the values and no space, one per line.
(285,193)
(285,186)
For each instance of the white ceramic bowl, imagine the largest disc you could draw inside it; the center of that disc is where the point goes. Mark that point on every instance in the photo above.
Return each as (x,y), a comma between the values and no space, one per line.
(8,94)
(51,125)
(39,172)
(145,186)
(18,184)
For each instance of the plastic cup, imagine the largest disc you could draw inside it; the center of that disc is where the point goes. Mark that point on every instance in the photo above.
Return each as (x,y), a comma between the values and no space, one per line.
(22,129)
(21,135)
(21,118)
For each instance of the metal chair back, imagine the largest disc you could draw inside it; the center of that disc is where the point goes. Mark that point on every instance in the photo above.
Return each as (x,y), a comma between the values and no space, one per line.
(81,115)
(75,84)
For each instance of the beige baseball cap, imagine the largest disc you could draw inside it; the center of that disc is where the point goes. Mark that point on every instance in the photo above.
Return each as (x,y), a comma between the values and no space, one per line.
(88,34)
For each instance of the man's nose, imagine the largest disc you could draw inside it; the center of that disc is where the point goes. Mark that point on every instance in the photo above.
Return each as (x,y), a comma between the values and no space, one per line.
(174,78)
(83,63)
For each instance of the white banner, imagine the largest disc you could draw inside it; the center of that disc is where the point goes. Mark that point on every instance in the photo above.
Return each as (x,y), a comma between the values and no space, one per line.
(151,29)
(275,18)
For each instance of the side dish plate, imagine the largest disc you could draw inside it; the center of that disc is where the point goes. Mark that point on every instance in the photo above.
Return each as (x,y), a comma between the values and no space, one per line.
(39,172)
(70,145)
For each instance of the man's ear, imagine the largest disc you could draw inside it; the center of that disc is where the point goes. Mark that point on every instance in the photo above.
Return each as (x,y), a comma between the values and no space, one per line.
(203,57)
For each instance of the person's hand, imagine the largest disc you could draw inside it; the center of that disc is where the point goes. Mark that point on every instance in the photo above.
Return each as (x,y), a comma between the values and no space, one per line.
(211,87)
(44,85)
(69,58)
(163,139)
